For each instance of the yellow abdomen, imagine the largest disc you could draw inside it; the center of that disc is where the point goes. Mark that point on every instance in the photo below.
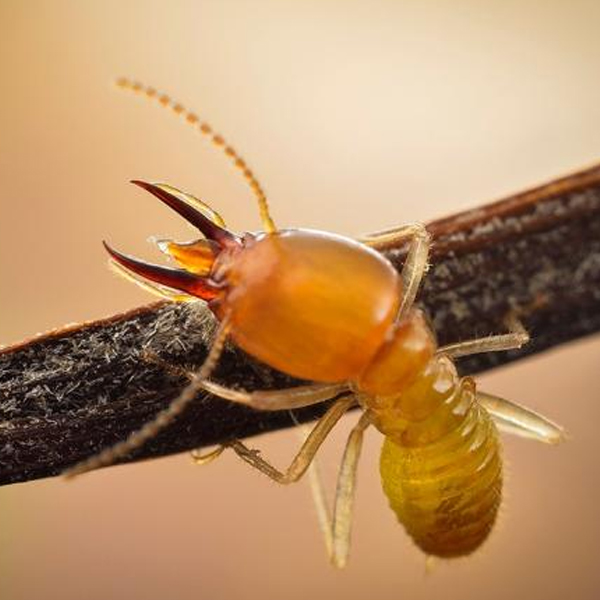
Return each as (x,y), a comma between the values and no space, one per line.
(446,492)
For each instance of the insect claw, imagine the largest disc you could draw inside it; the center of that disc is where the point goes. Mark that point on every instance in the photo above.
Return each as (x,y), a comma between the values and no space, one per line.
(173,278)
(209,228)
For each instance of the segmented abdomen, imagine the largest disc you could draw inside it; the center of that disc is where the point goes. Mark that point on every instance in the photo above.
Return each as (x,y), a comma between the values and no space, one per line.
(446,493)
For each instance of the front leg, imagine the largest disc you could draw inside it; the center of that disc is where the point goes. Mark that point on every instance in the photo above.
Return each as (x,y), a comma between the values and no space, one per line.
(282,399)
(416,263)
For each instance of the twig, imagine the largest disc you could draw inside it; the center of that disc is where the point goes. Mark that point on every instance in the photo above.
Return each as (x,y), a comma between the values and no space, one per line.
(71,392)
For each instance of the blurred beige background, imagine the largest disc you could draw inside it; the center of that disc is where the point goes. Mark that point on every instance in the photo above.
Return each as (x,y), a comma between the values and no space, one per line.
(356,116)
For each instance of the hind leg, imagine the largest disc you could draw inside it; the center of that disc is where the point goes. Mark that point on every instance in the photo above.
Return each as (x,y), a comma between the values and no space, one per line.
(339,530)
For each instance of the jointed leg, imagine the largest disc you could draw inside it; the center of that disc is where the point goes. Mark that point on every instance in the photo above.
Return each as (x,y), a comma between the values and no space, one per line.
(305,455)
(516,338)
(337,533)
(314,477)
(416,260)
(286,399)
(320,503)
(344,495)
(203,458)
(391,237)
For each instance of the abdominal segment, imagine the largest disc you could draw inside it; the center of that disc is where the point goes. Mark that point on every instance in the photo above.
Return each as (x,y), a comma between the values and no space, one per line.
(446,493)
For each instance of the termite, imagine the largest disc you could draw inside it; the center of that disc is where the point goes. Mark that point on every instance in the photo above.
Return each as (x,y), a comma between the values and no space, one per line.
(334,311)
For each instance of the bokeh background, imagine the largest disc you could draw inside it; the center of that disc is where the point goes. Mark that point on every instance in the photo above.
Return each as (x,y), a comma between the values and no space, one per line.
(356,116)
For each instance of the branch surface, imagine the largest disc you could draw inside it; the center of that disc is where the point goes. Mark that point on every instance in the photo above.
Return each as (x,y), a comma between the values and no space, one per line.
(73,391)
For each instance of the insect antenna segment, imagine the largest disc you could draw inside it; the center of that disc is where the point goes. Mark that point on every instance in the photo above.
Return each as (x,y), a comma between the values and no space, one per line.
(218,140)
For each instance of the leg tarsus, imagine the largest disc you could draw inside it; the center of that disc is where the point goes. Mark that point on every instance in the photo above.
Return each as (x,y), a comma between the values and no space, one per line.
(415,267)
(305,455)
(390,237)
(320,503)
(336,531)
(203,458)
(344,496)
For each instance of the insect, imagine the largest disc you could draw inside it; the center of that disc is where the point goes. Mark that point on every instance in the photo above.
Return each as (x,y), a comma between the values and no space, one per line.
(333,310)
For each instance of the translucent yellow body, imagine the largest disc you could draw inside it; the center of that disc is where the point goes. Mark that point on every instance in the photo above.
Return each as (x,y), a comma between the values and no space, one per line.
(440,463)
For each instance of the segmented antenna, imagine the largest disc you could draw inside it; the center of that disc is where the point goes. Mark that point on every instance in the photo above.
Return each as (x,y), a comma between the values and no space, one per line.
(204,128)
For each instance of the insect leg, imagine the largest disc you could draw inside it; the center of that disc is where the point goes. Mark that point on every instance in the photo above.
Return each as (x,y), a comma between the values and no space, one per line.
(289,398)
(320,503)
(516,338)
(138,438)
(283,399)
(414,268)
(417,259)
(344,495)
(514,418)
(305,455)
(203,458)
(296,397)
(391,237)
(416,263)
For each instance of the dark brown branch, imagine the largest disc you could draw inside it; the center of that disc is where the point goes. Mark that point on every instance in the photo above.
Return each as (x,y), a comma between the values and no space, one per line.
(71,392)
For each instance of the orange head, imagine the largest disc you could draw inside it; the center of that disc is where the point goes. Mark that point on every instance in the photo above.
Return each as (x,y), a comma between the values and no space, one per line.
(312,304)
